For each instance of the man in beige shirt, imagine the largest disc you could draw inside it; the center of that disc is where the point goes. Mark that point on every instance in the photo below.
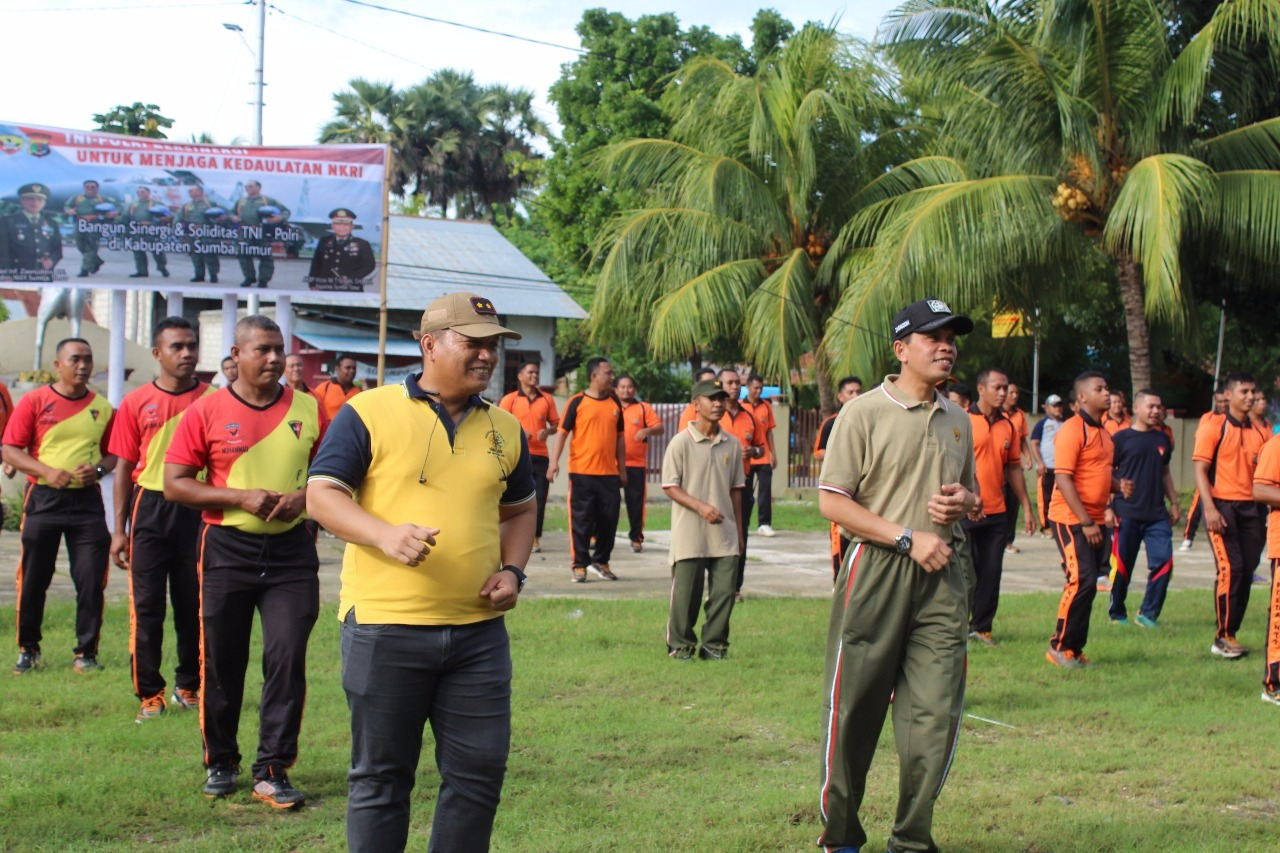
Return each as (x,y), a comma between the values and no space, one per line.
(702,473)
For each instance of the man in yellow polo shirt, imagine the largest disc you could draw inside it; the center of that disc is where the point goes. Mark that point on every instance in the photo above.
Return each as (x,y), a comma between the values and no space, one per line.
(432,488)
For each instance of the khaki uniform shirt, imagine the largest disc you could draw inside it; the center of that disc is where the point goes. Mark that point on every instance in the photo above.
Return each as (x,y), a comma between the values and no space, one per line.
(709,468)
(891,455)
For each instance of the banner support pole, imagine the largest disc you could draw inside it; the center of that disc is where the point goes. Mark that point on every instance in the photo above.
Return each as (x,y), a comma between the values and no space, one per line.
(389,161)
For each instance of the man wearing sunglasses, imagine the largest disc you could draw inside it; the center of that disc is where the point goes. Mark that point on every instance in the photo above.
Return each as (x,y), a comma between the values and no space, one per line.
(432,488)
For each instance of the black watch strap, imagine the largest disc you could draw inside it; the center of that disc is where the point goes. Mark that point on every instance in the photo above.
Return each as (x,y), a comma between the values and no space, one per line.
(520,576)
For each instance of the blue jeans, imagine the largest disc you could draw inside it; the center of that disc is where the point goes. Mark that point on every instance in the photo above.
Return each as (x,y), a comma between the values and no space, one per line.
(399,677)
(1158,537)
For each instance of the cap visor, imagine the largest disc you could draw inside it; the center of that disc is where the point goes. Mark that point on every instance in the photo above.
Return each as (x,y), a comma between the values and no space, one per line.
(962,324)
(484,330)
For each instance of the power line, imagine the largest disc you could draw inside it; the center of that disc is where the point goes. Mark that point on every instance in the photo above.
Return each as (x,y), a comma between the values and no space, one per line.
(176,6)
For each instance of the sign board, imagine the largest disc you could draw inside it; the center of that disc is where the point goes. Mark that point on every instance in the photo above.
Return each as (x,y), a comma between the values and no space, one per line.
(1009,324)
(174,216)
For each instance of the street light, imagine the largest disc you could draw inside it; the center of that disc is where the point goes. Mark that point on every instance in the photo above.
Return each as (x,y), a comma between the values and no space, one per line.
(252,301)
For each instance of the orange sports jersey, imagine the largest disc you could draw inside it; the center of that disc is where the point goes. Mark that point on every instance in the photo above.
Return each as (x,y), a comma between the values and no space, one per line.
(534,415)
(635,417)
(1085,451)
(331,397)
(745,428)
(6,406)
(1231,449)
(995,445)
(249,447)
(1167,430)
(1268,474)
(1112,425)
(59,431)
(596,425)
(763,413)
(688,416)
(144,427)
(824,433)
(1019,420)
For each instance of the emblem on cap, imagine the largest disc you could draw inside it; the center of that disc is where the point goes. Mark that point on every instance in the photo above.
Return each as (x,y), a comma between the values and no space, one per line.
(937,306)
(483,306)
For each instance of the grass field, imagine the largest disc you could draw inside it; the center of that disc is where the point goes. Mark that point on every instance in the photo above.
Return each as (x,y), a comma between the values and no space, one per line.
(1160,747)
(787,515)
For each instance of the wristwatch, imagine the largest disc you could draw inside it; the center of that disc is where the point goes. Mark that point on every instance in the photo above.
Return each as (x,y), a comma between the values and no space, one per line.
(903,542)
(101,472)
(520,576)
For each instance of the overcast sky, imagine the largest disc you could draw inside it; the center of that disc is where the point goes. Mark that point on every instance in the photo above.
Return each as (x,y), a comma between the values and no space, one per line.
(69,59)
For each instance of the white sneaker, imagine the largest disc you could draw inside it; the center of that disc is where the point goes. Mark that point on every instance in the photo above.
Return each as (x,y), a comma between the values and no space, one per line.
(1185,546)
(764,530)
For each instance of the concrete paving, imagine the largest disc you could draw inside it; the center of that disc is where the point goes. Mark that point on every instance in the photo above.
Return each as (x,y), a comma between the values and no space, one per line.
(788,564)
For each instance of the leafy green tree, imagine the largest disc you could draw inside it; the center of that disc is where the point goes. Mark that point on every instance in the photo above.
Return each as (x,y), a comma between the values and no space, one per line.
(138,119)
(1074,128)
(740,203)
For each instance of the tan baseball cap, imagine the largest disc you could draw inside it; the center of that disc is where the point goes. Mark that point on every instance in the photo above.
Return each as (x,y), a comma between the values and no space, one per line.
(465,313)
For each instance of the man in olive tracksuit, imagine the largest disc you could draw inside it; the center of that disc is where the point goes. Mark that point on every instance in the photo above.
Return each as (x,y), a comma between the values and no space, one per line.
(897,477)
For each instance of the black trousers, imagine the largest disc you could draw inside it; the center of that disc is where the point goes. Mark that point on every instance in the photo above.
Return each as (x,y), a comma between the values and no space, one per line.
(541,488)
(1236,552)
(748,502)
(1082,563)
(162,565)
(50,515)
(1048,481)
(241,573)
(986,546)
(760,484)
(1011,514)
(594,502)
(140,261)
(635,492)
(1193,518)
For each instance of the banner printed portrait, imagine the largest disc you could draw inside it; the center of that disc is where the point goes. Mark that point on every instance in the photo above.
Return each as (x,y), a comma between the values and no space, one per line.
(101,210)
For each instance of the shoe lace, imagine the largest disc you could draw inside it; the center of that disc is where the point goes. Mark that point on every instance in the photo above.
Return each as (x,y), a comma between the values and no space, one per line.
(153,703)
(189,696)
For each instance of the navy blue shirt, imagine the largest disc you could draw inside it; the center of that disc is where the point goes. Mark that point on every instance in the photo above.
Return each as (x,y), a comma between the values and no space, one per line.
(1142,456)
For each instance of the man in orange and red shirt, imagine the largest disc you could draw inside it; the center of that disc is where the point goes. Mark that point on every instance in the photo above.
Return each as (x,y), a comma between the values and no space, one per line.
(255,439)
(338,389)
(760,474)
(58,436)
(1083,457)
(1196,511)
(1266,489)
(1117,416)
(640,422)
(1225,458)
(536,411)
(597,470)
(742,425)
(1019,420)
(155,539)
(847,389)
(998,463)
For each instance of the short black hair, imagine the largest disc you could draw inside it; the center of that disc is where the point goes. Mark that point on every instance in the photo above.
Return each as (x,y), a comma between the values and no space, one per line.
(62,343)
(755,377)
(845,381)
(1235,378)
(525,364)
(344,356)
(1083,378)
(704,373)
(725,370)
(255,322)
(961,389)
(985,373)
(170,323)
(623,376)
(1145,392)
(225,359)
(593,364)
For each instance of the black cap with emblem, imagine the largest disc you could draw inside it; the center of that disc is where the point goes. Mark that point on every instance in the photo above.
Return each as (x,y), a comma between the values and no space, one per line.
(927,315)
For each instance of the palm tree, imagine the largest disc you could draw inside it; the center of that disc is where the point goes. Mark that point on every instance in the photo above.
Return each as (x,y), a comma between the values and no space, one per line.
(742,200)
(1074,127)
(374,112)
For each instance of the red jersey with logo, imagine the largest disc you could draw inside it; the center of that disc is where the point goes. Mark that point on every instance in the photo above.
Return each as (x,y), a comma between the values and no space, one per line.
(59,431)
(145,425)
(636,416)
(763,413)
(535,415)
(249,447)
(596,425)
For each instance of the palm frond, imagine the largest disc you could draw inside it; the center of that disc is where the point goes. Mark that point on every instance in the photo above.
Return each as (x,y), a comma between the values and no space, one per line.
(1255,146)
(1247,220)
(1163,197)
(779,316)
(708,305)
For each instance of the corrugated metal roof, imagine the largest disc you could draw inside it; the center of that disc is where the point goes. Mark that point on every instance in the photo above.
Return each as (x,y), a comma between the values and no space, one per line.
(365,345)
(430,257)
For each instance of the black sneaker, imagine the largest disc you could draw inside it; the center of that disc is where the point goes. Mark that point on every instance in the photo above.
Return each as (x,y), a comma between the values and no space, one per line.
(221,781)
(277,791)
(712,654)
(86,663)
(27,661)
(681,654)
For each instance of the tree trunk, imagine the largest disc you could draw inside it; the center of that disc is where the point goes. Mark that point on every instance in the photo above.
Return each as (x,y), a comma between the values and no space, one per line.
(826,394)
(695,361)
(1135,321)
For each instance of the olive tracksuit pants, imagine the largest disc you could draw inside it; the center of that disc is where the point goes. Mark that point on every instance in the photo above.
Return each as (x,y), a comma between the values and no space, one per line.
(686,597)
(896,632)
